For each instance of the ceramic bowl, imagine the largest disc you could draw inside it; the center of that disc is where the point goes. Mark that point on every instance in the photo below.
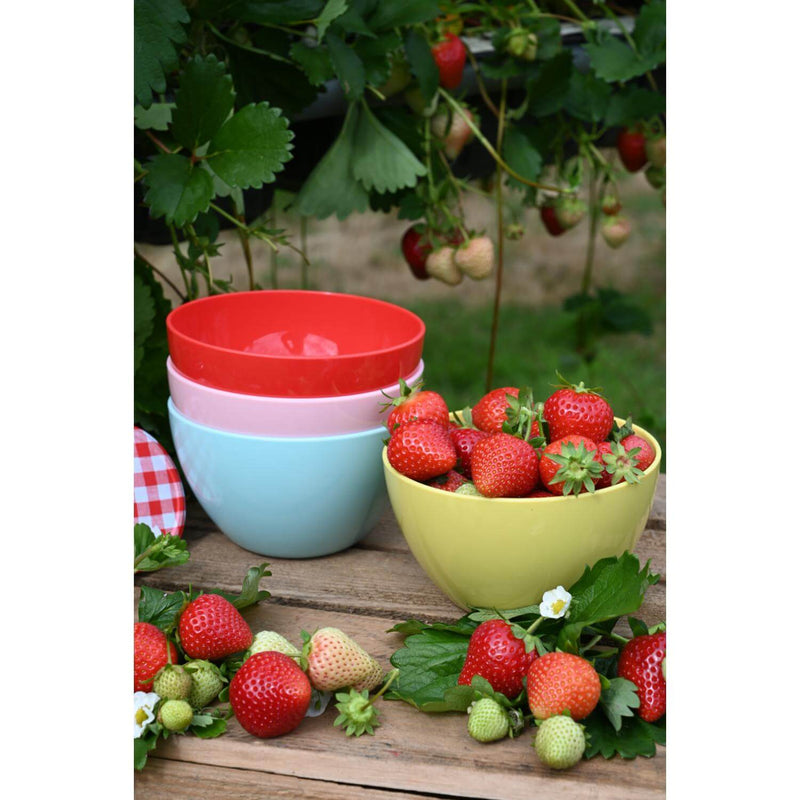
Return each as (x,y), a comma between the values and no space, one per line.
(281,416)
(294,343)
(505,553)
(284,497)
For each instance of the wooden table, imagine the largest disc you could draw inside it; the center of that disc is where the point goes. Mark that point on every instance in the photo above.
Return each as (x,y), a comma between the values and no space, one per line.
(365,591)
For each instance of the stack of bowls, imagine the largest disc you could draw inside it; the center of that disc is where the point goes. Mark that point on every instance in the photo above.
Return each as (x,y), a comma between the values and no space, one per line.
(277,410)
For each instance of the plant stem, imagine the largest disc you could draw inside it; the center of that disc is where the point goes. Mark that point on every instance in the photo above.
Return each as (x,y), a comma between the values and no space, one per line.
(394,673)
(190,294)
(160,274)
(303,247)
(586,281)
(481,86)
(273,256)
(498,284)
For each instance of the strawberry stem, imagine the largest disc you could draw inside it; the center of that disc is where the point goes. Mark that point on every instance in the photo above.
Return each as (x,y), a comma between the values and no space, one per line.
(392,675)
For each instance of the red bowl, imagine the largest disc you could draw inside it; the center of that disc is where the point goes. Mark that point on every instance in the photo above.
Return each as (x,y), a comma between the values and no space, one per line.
(293,343)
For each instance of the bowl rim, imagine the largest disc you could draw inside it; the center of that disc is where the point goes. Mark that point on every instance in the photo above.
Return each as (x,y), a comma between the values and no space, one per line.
(338,437)
(225,394)
(582,497)
(411,342)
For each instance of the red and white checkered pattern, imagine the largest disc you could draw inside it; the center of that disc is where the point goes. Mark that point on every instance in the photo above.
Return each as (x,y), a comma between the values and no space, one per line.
(158,497)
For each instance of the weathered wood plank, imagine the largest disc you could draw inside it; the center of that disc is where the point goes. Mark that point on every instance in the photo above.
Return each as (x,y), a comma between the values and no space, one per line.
(164,779)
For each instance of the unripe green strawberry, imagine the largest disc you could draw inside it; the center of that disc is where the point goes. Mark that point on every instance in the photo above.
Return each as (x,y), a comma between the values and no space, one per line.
(335,662)
(172,682)
(441,265)
(656,177)
(488,721)
(514,231)
(615,231)
(468,488)
(270,640)
(517,42)
(207,683)
(175,715)
(560,742)
(569,211)
(531,48)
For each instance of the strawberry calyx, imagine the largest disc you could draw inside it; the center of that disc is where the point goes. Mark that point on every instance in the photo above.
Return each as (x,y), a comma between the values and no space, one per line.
(521,416)
(579,388)
(621,464)
(357,714)
(406,392)
(619,432)
(577,468)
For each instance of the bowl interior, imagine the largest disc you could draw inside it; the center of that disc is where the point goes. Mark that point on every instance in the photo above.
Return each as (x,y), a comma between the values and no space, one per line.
(296,324)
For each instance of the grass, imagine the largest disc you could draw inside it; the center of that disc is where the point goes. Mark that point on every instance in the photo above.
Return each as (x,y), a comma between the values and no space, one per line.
(535,342)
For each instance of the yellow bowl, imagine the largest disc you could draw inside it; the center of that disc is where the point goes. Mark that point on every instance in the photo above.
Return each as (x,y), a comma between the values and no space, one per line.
(506,552)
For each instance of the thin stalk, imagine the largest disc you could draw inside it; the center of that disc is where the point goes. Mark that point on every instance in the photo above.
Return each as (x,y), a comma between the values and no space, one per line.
(273,256)
(586,281)
(481,86)
(304,247)
(498,284)
(244,239)
(153,268)
(190,294)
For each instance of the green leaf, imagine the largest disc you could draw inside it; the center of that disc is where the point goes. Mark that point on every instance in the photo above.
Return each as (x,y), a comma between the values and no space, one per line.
(588,97)
(332,10)
(250,594)
(348,67)
(144,312)
(204,100)
(548,32)
(157,29)
(650,32)
(520,154)
(315,62)
(251,147)
(176,189)
(142,747)
(613,60)
(331,188)
(159,608)
(374,54)
(402,13)
(265,12)
(613,587)
(630,104)
(153,552)
(352,21)
(618,698)
(381,160)
(549,87)
(634,738)
(207,727)
(155,118)
(422,64)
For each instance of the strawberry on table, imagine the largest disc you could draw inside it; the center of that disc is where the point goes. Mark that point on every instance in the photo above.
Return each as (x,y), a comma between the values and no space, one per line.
(571,465)
(504,466)
(559,682)
(450,56)
(488,721)
(497,655)
(335,661)
(575,409)
(641,661)
(151,651)
(560,742)
(414,403)
(270,694)
(211,628)
(422,449)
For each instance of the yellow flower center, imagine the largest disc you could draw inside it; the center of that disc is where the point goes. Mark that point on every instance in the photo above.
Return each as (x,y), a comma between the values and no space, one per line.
(558,605)
(141,716)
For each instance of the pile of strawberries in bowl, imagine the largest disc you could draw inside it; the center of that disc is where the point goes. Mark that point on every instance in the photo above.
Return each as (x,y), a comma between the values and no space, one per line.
(507,446)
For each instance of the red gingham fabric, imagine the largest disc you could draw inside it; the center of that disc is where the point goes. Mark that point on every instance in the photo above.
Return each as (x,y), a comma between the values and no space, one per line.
(158,497)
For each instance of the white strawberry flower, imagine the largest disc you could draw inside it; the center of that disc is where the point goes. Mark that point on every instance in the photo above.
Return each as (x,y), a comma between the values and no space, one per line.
(144,704)
(555,603)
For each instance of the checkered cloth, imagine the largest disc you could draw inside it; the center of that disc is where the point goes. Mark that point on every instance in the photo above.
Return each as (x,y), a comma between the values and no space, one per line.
(158,497)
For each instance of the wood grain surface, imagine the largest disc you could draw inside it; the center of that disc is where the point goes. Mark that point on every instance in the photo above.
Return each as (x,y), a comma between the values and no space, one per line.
(365,591)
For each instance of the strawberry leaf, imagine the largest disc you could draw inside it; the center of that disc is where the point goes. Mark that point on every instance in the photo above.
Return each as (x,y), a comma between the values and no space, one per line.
(159,608)
(250,594)
(144,745)
(618,698)
(634,738)
(153,552)
(206,726)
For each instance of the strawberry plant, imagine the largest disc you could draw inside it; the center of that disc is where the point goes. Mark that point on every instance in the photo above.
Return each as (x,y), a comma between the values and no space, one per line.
(228,104)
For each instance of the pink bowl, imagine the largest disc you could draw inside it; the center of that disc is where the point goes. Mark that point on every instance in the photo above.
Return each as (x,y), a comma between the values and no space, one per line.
(294,343)
(281,416)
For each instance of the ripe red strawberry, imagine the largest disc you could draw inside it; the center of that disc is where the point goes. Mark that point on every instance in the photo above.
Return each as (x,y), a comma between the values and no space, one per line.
(465,440)
(646,455)
(578,410)
(618,464)
(539,493)
(504,466)
(270,694)
(489,413)
(551,223)
(453,131)
(497,655)
(416,248)
(641,662)
(476,258)
(615,231)
(211,627)
(448,482)
(414,403)
(570,465)
(151,651)
(450,56)
(631,149)
(603,450)
(559,682)
(421,450)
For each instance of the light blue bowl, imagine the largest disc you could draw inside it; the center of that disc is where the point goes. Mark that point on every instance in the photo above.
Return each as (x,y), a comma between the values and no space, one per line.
(284,497)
